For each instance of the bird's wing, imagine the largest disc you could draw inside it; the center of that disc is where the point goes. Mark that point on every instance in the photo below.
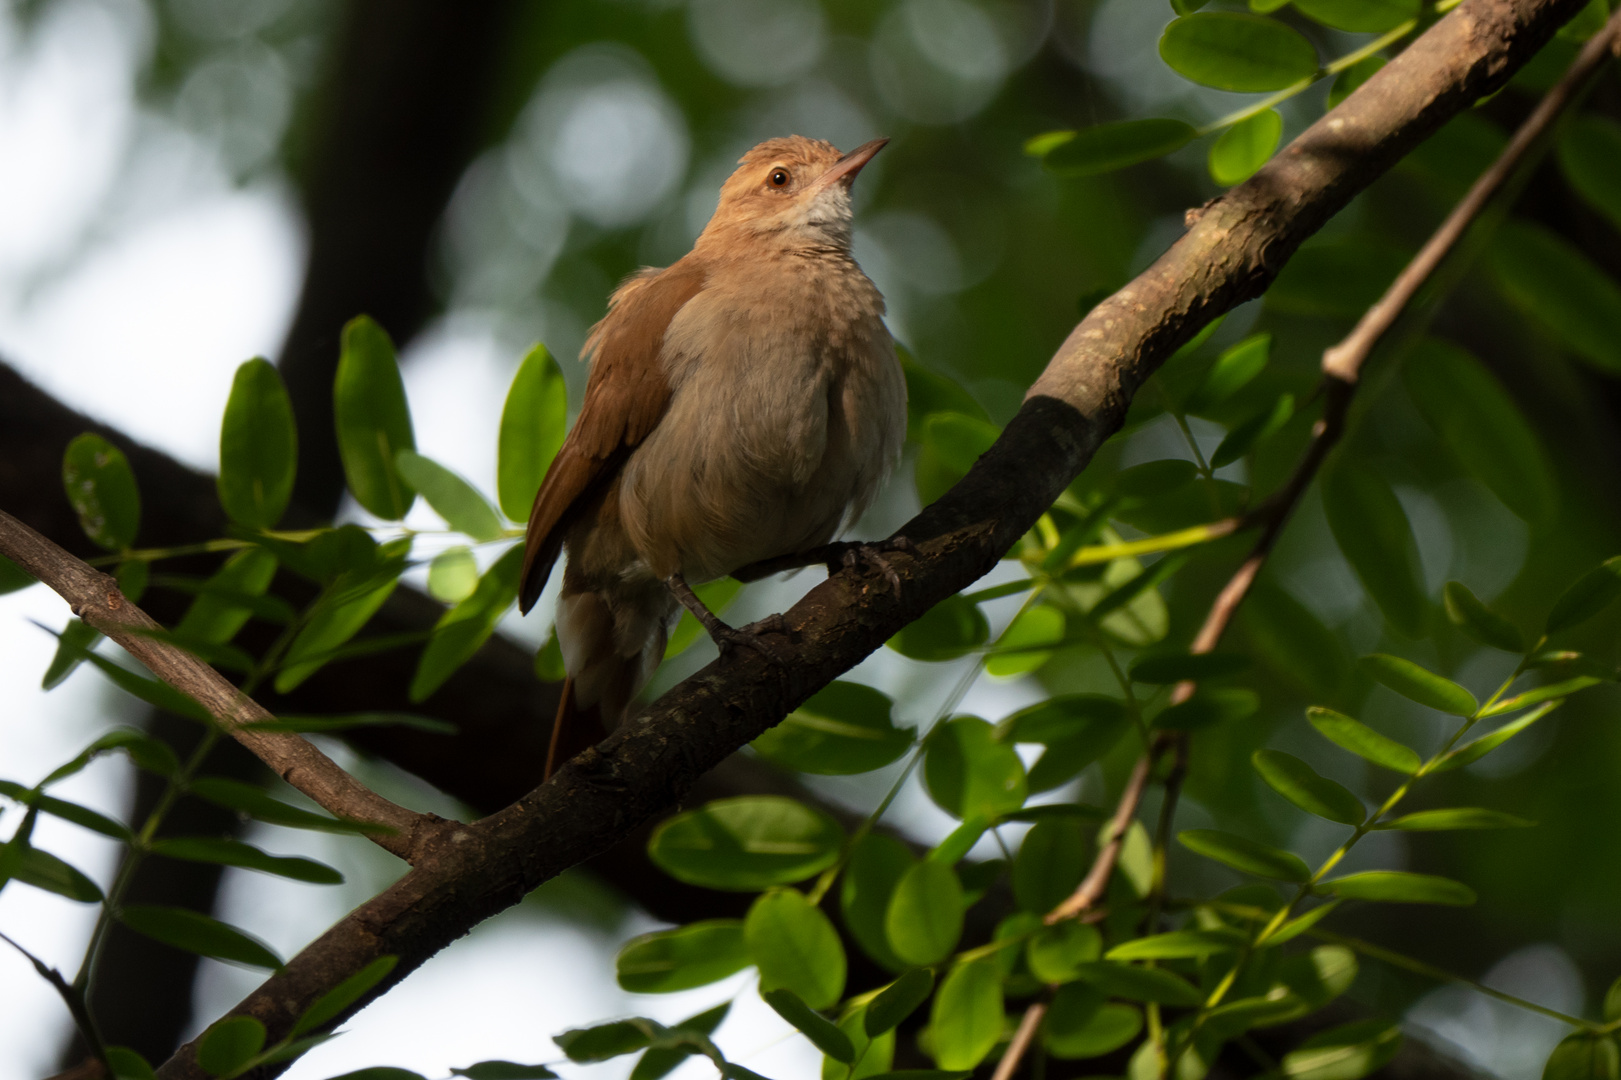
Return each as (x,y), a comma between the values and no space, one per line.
(625,398)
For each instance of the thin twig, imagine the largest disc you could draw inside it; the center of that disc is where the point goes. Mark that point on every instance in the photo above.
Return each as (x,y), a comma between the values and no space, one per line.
(95,598)
(1022,1038)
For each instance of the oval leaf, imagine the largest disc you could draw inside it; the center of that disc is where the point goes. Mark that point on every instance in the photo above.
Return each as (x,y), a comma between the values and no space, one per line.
(1231,51)
(373,419)
(822,1032)
(1079,1026)
(1359,16)
(1584,1057)
(747,843)
(1396,886)
(464,629)
(226,852)
(1057,952)
(1479,621)
(1076,729)
(230,1044)
(952,628)
(1344,1053)
(1301,785)
(1372,530)
(1591,594)
(844,728)
(1107,147)
(1140,983)
(1460,817)
(1244,855)
(258,447)
(925,913)
(1552,281)
(898,1000)
(1363,741)
(1590,157)
(966,1021)
(693,955)
(969,774)
(1175,945)
(451,497)
(1417,684)
(876,865)
(795,946)
(1244,148)
(101,489)
(533,423)
(199,934)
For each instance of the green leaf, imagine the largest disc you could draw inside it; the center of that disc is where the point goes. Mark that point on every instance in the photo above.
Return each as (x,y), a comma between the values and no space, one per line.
(746,844)
(693,955)
(1244,855)
(1234,368)
(1592,593)
(158,694)
(200,934)
(875,866)
(45,871)
(1348,81)
(604,1041)
(1081,1025)
(959,841)
(1483,427)
(1049,865)
(341,997)
(1055,954)
(1301,923)
(1473,751)
(251,800)
(1612,1002)
(380,1072)
(226,852)
(1106,147)
(1372,531)
(1397,886)
(1257,429)
(1416,684)
(795,946)
(533,423)
(229,1045)
(1301,785)
(1540,694)
(128,1065)
(325,725)
(1321,975)
(462,630)
(1359,16)
(1338,278)
(1363,741)
(1479,621)
(227,599)
(13,577)
(951,443)
(1590,157)
(101,489)
(361,576)
(451,497)
(969,774)
(258,447)
(453,575)
(504,1070)
(1344,1053)
(67,811)
(844,728)
(1584,1056)
(373,420)
(1139,983)
(660,1061)
(822,1033)
(1164,669)
(1552,281)
(966,1020)
(1243,148)
(1230,51)
(1175,945)
(928,392)
(898,1000)
(1207,707)
(952,628)
(1028,642)
(924,918)
(1461,817)
(1076,729)
(76,639)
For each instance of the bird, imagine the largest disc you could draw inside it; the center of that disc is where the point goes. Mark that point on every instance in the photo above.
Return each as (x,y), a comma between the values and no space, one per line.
(744,404)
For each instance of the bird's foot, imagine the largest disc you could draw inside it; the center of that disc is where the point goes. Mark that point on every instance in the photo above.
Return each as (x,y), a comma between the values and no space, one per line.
(857,551)
(726,636)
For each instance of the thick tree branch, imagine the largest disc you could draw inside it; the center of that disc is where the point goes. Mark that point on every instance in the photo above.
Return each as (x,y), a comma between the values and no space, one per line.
(1232,251)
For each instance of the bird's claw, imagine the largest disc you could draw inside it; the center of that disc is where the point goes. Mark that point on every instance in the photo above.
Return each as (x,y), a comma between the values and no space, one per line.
(856,552)
(751,636)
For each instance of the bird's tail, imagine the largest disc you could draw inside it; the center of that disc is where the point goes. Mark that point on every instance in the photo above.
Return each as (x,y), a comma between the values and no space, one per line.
(574,730)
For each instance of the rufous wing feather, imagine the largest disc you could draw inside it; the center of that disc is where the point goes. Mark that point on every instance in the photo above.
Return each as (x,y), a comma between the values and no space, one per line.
(625,398)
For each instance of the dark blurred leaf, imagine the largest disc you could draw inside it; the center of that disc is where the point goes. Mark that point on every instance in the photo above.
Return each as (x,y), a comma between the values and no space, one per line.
(451,497)
(373,419)
(844,728)
(1359,16)
(966,1020)
(1396,886)
(659,1062)
(1588,21)
(1612,1002)
(230,1044)
(1479,621)
(929,392)
(1233,369)
(795,947)
(453,575)
(67,811)
(227,852)
(1244,148)
(101,489)
(13,577)
(1363,741)
(1482,426)
(335,1001)
(504,1070)
(1207,707)
(1592,593)
(1292,641)
(822,1033)
(1335,279)
(1231,51)
(45,871)
(693,955)
(898,1000)
(155,693)
(1346,82)
(875,866)
(1153,479)
(380,1072)
(199,934)
(1079,1026)
(1166,668)
(128,1065)
(1049,865)
(1552,281)
(1244,855)
(603,1041)
(1372,531)
(1257,429)
(1107,147)
(969,774)
(76,639)
(258,447)
(952,628)
(924,919)
(951,443)
(533,423)
(467,626)
(1056,952)
(1462,817)
(1301,785)
(251,800)
(1416,684)
(747,843)
(1076,730)
(1590,156)
(1024,645)
(1584,1056)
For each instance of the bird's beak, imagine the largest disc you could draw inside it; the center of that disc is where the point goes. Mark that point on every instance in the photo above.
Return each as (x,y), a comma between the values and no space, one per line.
(844,170)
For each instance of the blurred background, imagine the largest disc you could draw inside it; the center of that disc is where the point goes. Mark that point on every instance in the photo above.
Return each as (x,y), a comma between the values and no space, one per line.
(189,183)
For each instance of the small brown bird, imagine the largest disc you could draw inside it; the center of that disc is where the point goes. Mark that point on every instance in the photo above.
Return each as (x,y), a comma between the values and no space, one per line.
(744,404)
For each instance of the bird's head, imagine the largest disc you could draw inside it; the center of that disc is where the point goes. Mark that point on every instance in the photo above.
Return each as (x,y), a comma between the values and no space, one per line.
(794,189)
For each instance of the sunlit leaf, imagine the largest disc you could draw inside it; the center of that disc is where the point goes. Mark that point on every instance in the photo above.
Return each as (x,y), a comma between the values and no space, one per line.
(969,774)
(1359,16)
(1398,886)
(966,1020)
(1417,684)
(844,728)
(1363,741)
(101,489)
(1243,148)
(693,955)
(1584,1056)
(747,843)
(1081,1025)
(1021,647)
(230,597)
(451,497)
(1244,855)
(898,1000)
(1344,1053)
(924,919)
(373,419)
(1232,51)
(1471,752)
(1056,953)
(453,575)
(1175,945)
(467,626)
(533,423)
(1461,817)
(1233,369)
(1301,785)
(795,946)
(823,1033)
(258,447)
(230,1044)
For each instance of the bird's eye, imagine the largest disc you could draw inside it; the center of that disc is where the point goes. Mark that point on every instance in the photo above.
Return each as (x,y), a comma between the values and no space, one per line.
(779,178)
